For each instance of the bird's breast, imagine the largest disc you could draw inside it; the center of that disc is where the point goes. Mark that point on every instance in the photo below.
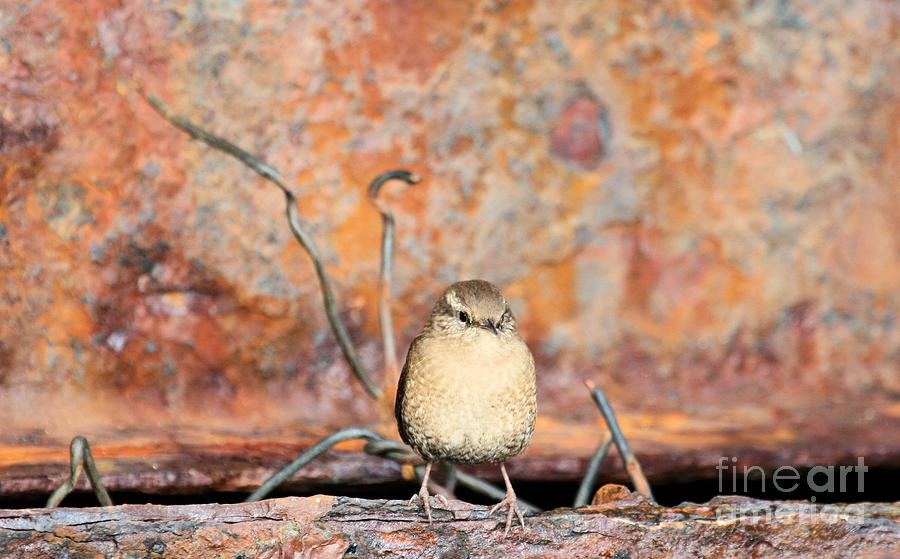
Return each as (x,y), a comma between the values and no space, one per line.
(470,399)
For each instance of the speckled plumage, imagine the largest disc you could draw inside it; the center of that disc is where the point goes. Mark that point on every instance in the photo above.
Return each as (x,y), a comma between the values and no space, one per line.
(467,393)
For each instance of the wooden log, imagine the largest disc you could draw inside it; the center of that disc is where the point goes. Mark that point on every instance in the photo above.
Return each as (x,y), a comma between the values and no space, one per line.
(326,526)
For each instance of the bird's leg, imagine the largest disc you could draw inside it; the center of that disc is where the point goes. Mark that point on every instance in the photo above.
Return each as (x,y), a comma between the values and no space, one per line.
(423,493)
(510,501)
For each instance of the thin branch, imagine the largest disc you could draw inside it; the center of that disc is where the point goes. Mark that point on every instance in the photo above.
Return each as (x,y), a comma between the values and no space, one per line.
(387,268)
(270,173)
(589,481)
(631,463)
(313,452)
(80,457)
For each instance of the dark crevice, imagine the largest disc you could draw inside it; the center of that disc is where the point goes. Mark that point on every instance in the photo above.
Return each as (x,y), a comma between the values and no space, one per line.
(877,486)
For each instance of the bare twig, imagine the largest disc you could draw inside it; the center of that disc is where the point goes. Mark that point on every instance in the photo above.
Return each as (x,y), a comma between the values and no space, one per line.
(80,458)
(589,481)
(631,462)
(270,173)
(285,473)
(387,265)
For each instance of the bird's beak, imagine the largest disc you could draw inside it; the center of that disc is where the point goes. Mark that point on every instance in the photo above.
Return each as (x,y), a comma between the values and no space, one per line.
(489,325)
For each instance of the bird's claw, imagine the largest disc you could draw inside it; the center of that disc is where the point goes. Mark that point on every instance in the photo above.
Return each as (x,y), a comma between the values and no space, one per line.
(512,503)
(426,497)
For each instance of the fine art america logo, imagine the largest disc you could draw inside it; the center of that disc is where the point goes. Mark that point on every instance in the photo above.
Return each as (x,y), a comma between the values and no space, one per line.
(786,479)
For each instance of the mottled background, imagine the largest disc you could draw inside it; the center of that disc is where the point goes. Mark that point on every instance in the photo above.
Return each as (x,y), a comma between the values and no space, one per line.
(694,204)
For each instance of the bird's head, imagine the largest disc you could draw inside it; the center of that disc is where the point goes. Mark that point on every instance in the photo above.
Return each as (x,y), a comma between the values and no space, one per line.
(472,304)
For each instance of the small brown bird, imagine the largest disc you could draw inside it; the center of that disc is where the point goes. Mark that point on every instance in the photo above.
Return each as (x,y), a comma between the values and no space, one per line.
(467,393)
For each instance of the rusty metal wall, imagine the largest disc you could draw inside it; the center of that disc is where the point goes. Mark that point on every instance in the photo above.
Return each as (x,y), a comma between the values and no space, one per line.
(694,204)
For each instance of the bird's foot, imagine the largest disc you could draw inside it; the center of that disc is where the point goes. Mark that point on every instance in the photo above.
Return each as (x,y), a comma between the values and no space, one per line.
(513,504)
(425,497)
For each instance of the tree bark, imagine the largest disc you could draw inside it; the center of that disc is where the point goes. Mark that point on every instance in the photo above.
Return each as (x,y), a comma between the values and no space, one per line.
(325,526)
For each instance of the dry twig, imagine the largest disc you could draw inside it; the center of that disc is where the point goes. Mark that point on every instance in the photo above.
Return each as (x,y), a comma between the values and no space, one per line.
(80,458)
(387,268)
(631,462)
(589,481)
(270,173)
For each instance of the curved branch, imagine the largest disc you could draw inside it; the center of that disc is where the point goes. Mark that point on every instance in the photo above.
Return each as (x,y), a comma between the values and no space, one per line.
(270,173)
(311,453)
(388,342)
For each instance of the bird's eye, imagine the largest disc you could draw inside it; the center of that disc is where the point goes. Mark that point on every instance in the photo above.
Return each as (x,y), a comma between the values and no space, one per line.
(463,317)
